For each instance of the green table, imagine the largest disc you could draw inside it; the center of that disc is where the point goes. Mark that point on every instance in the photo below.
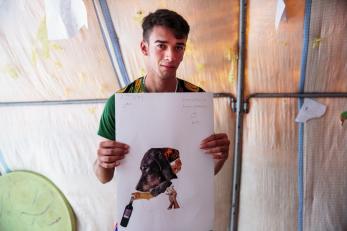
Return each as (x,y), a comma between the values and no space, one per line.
(30,202)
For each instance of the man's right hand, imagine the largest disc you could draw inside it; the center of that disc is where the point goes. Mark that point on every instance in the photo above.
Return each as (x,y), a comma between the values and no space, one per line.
(109,155)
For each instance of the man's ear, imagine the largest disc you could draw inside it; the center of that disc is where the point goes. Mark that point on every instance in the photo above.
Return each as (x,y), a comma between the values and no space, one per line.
(144,47)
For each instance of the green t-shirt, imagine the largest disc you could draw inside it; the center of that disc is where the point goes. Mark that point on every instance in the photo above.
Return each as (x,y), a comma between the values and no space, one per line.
(107,122)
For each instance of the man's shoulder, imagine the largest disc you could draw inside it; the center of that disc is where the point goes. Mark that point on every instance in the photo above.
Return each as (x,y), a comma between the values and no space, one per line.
(185,86)
(135,87)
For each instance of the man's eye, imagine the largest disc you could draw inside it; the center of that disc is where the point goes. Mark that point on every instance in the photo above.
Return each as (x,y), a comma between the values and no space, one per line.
(161,46)
(180,48)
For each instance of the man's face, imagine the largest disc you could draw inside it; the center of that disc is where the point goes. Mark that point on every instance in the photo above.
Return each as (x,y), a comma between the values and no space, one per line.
(164,52)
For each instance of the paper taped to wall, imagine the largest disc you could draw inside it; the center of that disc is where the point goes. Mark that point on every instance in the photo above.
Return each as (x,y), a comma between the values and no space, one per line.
(309,110)
(280,12)
(64,18)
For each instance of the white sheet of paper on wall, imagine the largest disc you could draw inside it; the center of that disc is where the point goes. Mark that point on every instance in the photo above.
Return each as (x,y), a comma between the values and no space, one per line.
(280,12)
(309,110)
(64,18)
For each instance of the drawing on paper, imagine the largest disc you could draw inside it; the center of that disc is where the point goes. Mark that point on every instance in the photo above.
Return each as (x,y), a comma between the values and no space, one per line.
(158,167)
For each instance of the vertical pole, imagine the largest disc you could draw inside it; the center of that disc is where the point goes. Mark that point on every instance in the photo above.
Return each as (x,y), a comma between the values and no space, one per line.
(239,119)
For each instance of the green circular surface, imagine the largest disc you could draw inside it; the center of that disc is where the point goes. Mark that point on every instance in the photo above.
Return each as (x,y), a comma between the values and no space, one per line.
(29,201)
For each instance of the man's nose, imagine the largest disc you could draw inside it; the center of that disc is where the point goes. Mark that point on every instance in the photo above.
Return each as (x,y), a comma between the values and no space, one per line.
(170,54)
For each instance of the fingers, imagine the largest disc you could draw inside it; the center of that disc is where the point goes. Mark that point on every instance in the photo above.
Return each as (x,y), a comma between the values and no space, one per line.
(215,137)
(110,153)
(109,165)
(110,159)
(215,140)
(112,144)
(217,145)
(220,156)
(216,150)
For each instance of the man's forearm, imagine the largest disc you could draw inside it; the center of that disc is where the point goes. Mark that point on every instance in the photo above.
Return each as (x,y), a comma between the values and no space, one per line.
(103,174)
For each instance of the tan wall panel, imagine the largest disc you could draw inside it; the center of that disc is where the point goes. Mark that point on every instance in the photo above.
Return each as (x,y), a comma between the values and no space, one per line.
(325,170)
(326,64)
(325,150)
(273,56)
(268,196)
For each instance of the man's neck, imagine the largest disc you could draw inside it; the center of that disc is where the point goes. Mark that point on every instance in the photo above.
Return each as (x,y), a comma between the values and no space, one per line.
(155,84)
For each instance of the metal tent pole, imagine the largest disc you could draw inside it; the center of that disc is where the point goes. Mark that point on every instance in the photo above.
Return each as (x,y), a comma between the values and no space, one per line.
(239,120)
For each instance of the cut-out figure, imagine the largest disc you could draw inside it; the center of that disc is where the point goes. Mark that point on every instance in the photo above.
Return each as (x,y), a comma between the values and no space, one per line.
(158,166)
(172,198)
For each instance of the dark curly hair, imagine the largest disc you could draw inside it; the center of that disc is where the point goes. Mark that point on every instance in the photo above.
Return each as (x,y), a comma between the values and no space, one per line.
(167,18)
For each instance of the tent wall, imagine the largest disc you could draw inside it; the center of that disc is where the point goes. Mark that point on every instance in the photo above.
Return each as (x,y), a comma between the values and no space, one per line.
(34,68)
(325,149)
(268,194)
(59,142)
(58,139)
(271,175)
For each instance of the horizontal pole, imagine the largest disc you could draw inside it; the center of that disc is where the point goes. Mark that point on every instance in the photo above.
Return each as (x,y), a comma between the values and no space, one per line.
(52,102)
(82,101)
(299,95)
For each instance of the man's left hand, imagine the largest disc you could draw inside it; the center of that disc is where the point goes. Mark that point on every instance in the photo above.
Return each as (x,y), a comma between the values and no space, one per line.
(216,145)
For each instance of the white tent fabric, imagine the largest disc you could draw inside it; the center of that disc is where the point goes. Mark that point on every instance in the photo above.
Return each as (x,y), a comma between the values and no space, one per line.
(34,68)
(60,140)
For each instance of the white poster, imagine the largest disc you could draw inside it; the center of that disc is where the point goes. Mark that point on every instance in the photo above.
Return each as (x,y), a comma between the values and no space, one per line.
(165,166)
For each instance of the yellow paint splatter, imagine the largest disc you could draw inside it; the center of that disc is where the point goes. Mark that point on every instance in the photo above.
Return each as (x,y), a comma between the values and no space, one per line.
(139,16)
(200,67)
(58,64)
(12,71)
(56,46)
(189,48)
(92,110)
(102,59)
(316,42)
(54,77)
(41,48)
(232,57)
(231,75)
(163,4)
(34,57)
(201,83)
(283,43)
(42,38)
(105,88)
(82,77)
(143,72)
(67,91)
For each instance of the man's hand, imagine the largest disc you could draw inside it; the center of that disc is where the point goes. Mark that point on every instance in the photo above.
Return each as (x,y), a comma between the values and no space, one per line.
(217,145)
(109,155)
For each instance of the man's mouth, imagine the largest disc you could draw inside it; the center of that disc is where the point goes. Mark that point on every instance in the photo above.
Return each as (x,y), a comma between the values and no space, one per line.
(168,66)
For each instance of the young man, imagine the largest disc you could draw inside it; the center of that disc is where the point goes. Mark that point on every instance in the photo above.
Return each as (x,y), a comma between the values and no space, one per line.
(165,35)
